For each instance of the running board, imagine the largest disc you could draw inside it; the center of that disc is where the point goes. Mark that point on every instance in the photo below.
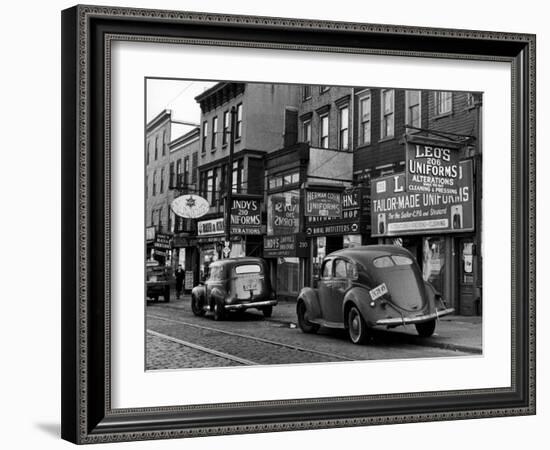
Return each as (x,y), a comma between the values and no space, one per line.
(326,323)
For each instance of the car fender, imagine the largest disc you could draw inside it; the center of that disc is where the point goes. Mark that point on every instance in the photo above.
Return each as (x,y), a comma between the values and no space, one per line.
(358,296)
(198,292)
(433,297)
(311,299)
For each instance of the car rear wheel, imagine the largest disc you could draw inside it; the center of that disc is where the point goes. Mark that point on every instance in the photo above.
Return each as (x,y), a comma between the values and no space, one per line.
(219,311)
(425,329)
(357,328)
(267,310)
(305,325)
(196,307)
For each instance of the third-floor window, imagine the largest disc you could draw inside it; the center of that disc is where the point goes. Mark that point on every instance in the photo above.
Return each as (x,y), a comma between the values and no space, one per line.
(323,131)
(343,128)
(412,105)
(387,113)
(239,127)
(443,102)
(306,131)
(365,118)
(204,135)
(214,132)
(225,127)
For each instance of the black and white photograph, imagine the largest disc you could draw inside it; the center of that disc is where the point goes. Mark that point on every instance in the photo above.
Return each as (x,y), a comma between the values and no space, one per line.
(299,224)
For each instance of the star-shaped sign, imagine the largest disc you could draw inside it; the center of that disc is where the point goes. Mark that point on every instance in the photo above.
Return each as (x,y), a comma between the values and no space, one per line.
(191,202)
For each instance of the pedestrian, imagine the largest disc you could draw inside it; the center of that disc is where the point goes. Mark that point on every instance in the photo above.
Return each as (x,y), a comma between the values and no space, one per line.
(180,275)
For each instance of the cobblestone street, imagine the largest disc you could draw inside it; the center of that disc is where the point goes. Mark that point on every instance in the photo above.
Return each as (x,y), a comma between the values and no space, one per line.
(178,339)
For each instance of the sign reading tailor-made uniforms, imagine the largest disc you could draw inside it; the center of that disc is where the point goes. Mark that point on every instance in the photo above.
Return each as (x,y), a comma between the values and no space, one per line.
(396,211)
(246,216)
(431,169)
(323,204)
(283,213)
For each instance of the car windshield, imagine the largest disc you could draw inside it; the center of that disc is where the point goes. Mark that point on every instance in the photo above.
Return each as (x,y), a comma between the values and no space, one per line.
(390,261)
(248,268)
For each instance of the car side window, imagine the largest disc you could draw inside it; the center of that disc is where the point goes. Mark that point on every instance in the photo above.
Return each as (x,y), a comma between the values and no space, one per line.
(327,269)
(352,270)
(215,273)
(340,269)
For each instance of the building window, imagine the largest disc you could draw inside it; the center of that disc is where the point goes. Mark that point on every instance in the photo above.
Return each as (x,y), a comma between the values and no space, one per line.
(306,92)
(239,128)
(214,132)
(148,151)
(225,127)
(171,183)
(204,135)
(323,89)
(323,131)
(343,128)
(154,183)
(162,180)
(194,167)
(210,186)
(387,109)
(178,173)
(443,102)
(306,131)
(470,100)
(156,148)
(412,105)
(163,143)
(365,126)
(186,171)
(237,175)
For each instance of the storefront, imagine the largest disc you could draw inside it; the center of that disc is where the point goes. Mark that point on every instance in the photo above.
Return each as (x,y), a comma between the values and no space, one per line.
(429,209)
(335,219)
(185,254)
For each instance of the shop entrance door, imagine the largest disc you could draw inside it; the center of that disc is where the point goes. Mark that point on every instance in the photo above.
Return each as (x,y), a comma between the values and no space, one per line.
(468,298)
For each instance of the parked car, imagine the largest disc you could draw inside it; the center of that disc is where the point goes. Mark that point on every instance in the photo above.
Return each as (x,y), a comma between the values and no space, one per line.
(370,286)
(159,281)
(234,284)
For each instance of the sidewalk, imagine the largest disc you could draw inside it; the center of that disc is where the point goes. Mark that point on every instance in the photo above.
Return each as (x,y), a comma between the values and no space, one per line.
(461,333)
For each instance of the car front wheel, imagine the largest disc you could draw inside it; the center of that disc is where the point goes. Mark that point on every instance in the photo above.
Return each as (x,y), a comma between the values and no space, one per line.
(196,307)
(305,325)
(219,311)
(267,310)
(425,329)
(357,328)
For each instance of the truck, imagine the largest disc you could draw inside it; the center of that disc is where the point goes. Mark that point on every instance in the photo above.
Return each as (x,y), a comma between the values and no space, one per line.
(159,281)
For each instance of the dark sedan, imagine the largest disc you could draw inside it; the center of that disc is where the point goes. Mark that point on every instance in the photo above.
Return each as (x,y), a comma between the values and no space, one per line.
(370,286)
(234,284)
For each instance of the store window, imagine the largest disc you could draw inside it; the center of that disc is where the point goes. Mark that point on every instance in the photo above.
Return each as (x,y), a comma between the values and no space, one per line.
(433,261)
(288,274)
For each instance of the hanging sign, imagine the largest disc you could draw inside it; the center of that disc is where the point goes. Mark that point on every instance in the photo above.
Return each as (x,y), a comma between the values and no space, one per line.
(190,206)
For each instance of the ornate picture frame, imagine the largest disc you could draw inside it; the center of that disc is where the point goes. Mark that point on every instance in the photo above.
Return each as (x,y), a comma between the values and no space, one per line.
(87,35)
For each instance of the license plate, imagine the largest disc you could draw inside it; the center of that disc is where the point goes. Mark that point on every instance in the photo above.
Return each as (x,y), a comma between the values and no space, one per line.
(378,291)
(250,285)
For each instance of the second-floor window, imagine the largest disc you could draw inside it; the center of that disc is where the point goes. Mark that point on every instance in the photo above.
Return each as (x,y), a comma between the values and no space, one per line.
(225,127)
(214,131)
(443,102)
(178,173)
(387,113)
(237,175)
(156,148)
(306,92)
(210,186)
(239,127)
(343,128)
(154,183)
(186,171)
(162,180)
(323,89)
(163,143)
(195,161)
(204,135)
(323,131)
(365,125)
(306,131)
(412,105)
(171,183)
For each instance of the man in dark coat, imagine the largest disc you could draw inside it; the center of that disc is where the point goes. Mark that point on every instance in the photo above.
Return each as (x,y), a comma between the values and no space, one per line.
(180,276)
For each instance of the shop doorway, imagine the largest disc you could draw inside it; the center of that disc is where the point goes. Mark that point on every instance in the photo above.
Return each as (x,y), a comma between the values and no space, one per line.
(469,300)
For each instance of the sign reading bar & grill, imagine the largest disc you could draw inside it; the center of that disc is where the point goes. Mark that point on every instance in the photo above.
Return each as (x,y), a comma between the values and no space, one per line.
(396,211)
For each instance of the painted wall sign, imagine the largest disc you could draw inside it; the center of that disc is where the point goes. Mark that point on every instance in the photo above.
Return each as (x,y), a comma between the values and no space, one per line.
(209,227)
(246,216)
(163,241)
(290,245)
(397,212)
(190,206)
(323,204)
(431,169)
(283,213)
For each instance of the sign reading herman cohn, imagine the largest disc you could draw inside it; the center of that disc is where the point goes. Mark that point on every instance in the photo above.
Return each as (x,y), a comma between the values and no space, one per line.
(431,169)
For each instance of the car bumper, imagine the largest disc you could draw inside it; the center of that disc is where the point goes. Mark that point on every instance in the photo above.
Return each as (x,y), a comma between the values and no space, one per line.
(241,306)
(412,320)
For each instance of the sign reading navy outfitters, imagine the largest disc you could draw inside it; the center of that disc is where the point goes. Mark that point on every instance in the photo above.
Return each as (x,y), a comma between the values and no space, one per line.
(354,218)
(245,216)
(323,204)
(431,169)
(289,245)
(398,212)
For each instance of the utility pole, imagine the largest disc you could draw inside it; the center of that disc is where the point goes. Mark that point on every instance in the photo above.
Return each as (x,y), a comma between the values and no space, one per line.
(229,184)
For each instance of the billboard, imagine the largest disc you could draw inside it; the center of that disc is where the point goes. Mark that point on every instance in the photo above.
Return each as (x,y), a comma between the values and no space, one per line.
(396,211)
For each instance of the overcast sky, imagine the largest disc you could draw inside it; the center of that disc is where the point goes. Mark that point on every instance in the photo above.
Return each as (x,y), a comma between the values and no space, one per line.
(178,96)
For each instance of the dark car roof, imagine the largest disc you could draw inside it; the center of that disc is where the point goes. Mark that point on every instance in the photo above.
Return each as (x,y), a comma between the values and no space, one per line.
(366,253)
